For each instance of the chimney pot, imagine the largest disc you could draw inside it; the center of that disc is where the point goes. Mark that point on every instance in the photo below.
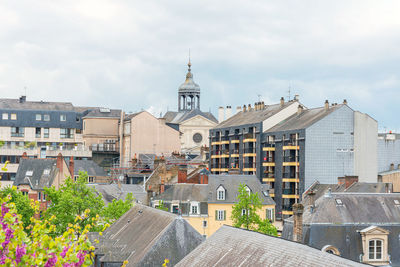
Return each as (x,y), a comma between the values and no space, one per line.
(296,97)
(282,101)
(238,109)
(392,166)
(299,109)
(244,108)
(326,105)
(249,107)
(344,101)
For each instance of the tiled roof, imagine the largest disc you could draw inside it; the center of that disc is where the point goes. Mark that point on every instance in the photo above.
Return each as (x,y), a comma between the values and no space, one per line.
(103,113)
(89,166)
(113,191)
(179,117)
(6,103)
(231,246)
(184,192)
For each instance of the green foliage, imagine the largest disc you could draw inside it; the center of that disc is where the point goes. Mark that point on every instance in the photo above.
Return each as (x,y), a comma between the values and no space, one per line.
(117,208)
(250,203)
(161,206)
(22,203)
(2,143)
(70,202)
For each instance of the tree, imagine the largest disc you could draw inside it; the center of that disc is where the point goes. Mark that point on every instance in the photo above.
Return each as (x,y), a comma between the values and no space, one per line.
(70,202)
(244,212)
(39,247)
(161,206)
(117,208)
(22,203)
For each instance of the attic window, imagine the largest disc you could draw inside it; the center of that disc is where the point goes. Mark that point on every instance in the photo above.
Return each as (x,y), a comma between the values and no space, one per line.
(339,202)
(29,173)
(396,202)
(46,172)
(221,193)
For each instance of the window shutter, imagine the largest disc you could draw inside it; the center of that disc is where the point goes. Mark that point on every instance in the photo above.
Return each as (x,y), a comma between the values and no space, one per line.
(224,215)
(216,215)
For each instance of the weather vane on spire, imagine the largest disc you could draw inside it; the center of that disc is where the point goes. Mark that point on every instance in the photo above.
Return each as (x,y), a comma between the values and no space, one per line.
(189,64)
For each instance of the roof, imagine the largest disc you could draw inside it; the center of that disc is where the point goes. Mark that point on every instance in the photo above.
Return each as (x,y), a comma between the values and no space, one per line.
(356,208)
(179,117)
(231,184)
(32,172)
(189,84)
(252,116)
(303,120)
(103,113)
(89,166)
(184,192)
(113,191)
(389,172)
(230,246)
(7,103)
(357,187)
(146,236)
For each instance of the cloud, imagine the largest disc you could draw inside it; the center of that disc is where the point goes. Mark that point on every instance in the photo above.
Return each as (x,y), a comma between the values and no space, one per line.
(133,55)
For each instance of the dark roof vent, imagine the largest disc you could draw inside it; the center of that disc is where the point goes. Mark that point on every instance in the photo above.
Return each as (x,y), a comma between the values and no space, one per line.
(22,99)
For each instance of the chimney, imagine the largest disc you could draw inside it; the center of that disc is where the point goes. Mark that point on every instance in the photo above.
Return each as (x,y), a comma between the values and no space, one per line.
(299,109)
(296,97)
(326,105)
(398,166)
(249,107)
(256,106)
(182,176)
(22,99)
(221,114)
(392,166)
(244,108)
(203,179)
(298,222)
(347,181)
(162,185)
(71,166)
(60,160)
(238,109)
(344,102)
(24,155)
(311,197)
(228,112)
(282,101)
(262,105)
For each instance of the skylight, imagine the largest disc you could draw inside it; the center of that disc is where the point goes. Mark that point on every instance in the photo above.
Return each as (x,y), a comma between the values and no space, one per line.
(339,202)
(396,202)
(29,173)
(104,110)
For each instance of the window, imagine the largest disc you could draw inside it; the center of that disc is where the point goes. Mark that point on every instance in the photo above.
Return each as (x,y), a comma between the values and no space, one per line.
(39,196)
(44,197)
(204,224)
(46,172)
(270,215)
(29,173)
(194,208)
(46,117)
(46,132)
(91,179)
(63,117)
(221,193)
(243,212)
(5,116)
(25,193)
(220,215)
(175,209)
(17,131)
(38,117)
(66,133)
(13,116)
(38,133)
(339,202)
(331,250)
(375,249)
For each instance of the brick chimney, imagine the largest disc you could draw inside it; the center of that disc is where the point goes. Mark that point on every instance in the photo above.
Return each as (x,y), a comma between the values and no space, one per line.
(311,197)
(60,160)
(299,109)
(182,176)
(162,186)
(71,166)
(24,155)
(282,101)
(347,181)
(203,179)
(326,105)
(298,222)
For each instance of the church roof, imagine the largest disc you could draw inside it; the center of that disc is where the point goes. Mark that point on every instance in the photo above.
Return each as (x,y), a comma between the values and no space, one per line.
(179,117)
(189,84)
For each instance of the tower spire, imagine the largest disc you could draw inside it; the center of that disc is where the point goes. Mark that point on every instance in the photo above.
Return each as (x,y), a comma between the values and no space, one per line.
(189,64)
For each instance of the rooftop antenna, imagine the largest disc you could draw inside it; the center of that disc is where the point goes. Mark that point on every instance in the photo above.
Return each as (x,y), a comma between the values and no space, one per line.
(289,92)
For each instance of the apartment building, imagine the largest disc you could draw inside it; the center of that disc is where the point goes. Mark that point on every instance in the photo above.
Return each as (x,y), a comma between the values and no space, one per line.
(41,129)
(292,147)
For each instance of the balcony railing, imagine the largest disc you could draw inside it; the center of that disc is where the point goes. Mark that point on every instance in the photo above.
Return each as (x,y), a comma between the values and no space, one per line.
(269,175)
(249,150)
(105,147)
(249,136)
(290,143)
(269,145)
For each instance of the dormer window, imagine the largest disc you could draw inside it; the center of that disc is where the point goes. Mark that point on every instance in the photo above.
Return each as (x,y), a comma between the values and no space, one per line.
(375,245)
(194,208)
(29,173)
(46,172)
(221,193)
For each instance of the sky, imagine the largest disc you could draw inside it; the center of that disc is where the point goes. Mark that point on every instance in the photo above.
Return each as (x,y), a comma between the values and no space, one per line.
(133,55)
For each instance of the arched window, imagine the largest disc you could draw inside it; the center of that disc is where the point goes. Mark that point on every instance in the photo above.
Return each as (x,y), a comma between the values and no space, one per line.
(221,193)
(331,249)
(375,247)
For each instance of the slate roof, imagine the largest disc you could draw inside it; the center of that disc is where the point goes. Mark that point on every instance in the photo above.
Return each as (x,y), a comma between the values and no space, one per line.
(7,103)
(230,246)
(179,117)
(103,113)
(231,184)
(38,180)
(252,116)
(89,166)
(112,191)
(146,236)
(303,120)
(357,208)
(184,192)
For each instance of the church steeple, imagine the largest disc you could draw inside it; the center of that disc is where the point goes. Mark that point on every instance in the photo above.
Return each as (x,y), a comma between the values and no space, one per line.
(189,92)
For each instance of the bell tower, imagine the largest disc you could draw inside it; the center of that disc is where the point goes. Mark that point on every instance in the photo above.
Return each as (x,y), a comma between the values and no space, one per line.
(189,93)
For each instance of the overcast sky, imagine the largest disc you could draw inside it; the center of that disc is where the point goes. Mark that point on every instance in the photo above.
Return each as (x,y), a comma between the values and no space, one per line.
(133,54)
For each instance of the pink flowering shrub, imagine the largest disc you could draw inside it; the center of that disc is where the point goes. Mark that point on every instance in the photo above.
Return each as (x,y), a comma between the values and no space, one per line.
(39,246)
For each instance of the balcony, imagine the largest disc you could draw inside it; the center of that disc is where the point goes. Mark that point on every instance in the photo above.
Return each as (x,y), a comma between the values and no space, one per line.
(105,147)
(290,145)
(249,137)
(249,152)
(76,151)
(249,167)
(235,139)
(268,147)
